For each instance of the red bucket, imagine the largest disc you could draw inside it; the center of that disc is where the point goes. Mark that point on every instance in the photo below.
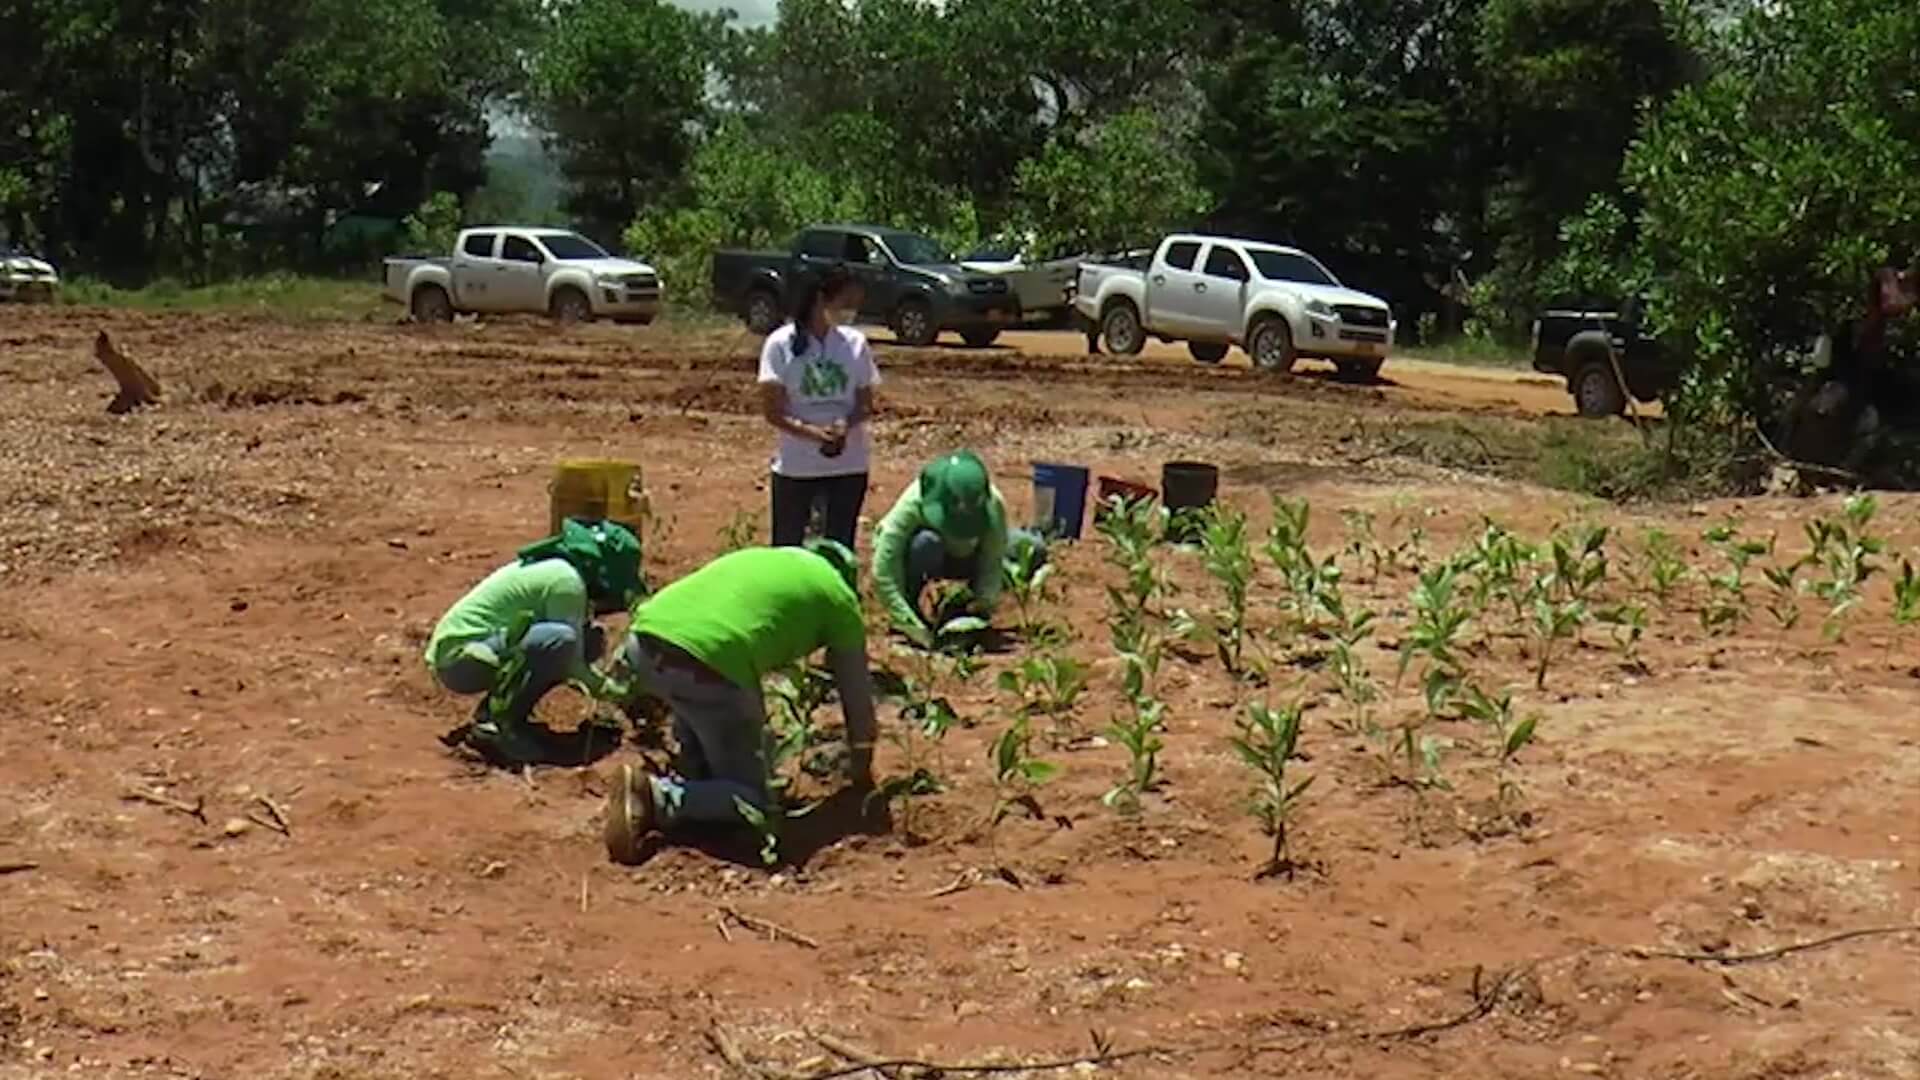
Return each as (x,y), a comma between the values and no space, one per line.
(1109,486)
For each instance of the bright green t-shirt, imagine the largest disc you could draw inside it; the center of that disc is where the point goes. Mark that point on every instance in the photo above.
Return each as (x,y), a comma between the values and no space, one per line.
(550,591)
(750,613)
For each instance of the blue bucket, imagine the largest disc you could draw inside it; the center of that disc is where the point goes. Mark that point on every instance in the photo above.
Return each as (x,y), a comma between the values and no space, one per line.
(1059,499)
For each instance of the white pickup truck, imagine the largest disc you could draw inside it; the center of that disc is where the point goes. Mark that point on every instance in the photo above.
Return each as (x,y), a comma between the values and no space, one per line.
(502,269)
(1215,292)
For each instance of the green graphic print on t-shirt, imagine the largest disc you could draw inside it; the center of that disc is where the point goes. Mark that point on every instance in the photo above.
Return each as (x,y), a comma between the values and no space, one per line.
(823,377)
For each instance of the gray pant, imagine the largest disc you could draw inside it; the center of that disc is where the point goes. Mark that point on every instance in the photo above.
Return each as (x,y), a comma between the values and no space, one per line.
(551,649)
(928,560)
(720,728)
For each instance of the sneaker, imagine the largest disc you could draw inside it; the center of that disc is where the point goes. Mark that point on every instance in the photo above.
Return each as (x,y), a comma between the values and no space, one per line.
(630,816)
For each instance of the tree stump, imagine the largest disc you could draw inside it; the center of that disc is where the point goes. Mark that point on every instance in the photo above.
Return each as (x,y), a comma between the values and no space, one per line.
(137,388)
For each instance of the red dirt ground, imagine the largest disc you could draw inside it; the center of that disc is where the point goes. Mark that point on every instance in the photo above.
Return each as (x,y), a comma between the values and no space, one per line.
(226,597)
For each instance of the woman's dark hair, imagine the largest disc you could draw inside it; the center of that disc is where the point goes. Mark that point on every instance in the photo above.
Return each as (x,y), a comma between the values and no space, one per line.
(814,292)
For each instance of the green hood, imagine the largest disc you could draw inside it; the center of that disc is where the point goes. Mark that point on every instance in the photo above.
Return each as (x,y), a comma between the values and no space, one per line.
(607,555)
(954,492)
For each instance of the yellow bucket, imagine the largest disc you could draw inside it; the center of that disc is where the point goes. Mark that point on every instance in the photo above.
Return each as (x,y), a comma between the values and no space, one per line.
(597,491)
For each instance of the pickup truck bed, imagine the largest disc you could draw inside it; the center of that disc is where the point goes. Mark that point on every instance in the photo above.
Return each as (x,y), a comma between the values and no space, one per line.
(1582,347)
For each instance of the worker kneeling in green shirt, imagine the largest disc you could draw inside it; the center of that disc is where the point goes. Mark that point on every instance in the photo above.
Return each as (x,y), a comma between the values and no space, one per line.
(702,645)
(950,524)
(537,609)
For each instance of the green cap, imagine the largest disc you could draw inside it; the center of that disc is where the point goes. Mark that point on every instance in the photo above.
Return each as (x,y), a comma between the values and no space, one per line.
(953,494)
(842,559)
(606,554)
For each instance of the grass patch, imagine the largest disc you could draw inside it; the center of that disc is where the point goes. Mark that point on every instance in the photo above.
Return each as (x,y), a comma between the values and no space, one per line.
(285,295)
(1471,352)
(1605,459)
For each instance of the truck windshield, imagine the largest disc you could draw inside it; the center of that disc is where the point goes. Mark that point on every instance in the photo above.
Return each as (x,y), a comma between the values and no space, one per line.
(571,246)
(1288,266)
(916,250)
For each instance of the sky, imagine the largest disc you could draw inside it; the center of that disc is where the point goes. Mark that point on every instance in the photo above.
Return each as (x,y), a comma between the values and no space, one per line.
(752,12)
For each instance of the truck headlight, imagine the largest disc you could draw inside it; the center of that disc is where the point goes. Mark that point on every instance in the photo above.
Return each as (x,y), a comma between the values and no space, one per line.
(607,281)
(1320,308)
(956,286)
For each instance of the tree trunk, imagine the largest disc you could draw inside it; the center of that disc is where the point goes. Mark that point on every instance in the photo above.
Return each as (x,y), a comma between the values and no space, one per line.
(137,388)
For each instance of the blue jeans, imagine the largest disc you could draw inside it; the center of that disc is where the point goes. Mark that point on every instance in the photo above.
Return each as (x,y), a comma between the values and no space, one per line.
(929,560)
(550,648)
(720,728)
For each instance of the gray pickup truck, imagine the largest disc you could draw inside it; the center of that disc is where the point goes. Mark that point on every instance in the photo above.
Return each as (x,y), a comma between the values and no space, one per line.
(912,285)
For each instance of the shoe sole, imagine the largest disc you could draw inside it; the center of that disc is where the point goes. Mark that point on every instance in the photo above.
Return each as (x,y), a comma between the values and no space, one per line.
(625,823)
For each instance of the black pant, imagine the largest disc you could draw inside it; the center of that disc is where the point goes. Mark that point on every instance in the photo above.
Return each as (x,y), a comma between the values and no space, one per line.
(794,499)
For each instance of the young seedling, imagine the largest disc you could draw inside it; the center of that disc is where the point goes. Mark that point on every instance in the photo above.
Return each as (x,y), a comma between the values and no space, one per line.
(1499,563)
(1017,774)
(1662,566)
(1361,546)
(1137,729)
(1287,535)
(1229,559)
(1130,528)
(1027,574)
(1580,563)
(1509,736)
(1728,605)
(1784,589)
(1410,553)
(1847,550)
(1437,623)
(1350,671)
(1553,621)
(1906,603)
(791,737)
(1265,744)
(927,715)
(1047,683)
(1628,622)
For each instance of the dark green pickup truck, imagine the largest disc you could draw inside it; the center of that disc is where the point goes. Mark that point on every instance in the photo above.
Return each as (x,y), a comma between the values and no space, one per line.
(912,285)
(1583,344)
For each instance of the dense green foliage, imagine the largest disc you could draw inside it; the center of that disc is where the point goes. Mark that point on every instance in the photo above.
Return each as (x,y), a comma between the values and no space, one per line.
(1767,193)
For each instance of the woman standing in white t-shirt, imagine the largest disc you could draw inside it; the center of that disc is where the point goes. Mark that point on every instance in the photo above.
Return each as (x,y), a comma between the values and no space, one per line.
(816,388)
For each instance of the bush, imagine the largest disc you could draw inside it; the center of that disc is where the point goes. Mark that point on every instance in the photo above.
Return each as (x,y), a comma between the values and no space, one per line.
(1768,193)
(432,229)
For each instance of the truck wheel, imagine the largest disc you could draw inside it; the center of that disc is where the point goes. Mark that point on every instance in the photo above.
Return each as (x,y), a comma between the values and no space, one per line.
(430,304)
(979,339)
(1361,370)
(1595,390)
(1207,352)
(1271,345)
(763,311)
(914,324)
(1120,328)
(570,305)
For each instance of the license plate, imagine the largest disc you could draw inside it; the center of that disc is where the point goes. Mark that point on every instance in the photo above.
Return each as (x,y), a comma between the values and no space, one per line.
(1370,348)
(998,316)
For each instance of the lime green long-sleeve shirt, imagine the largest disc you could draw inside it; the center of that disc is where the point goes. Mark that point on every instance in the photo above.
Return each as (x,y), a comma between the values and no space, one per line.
(547,591)
(895,537)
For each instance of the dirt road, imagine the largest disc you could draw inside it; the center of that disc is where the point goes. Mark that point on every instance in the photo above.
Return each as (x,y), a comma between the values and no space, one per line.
(214,617)
(1403,378)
